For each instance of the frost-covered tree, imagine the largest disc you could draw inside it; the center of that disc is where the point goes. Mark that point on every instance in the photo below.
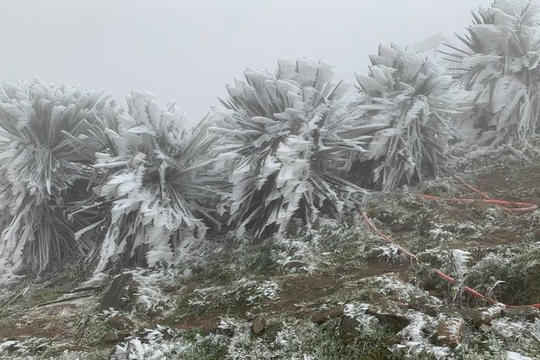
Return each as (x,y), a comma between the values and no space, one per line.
(408,93)
(154,187)
(287,140)
(500,66)
(44,170)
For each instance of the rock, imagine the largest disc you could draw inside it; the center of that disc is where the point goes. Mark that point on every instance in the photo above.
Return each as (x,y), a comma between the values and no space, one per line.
(323,316)
(120,322)
(485,316)
(537,234)
(429,305)
(257,325)
(450,332)
(527,313)
(391,313)
(427,308)
(119,293)
(348,329)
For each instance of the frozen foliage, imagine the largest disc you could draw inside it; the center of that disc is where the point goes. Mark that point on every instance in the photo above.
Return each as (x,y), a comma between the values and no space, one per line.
(287,138)
(510,355)
(409,94)
(460,259)
(500,67)
(149,298)
(80,176)
(150,345)
(266,289)
(415,342)
(43,171)
(521,336)
(154,183)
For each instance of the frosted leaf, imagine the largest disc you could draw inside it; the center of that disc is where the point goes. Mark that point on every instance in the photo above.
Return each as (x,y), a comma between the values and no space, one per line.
(154,175)
(460,259)
(42,164)
(288,139)
(510,355)
(408,96)
(498,69)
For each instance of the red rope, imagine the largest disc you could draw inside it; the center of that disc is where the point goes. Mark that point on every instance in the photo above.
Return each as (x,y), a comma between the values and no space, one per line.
(483,194)
(511,206)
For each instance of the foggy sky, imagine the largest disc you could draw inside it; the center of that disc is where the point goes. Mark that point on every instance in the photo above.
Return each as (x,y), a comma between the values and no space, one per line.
(188,50)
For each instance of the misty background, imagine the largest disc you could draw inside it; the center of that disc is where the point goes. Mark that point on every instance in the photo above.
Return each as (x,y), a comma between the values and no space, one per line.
(188,50)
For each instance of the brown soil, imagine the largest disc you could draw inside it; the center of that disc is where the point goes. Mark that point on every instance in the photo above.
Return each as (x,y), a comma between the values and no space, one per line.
(513,184)
(299,292)
(51,322)
(487,241)
(299,295)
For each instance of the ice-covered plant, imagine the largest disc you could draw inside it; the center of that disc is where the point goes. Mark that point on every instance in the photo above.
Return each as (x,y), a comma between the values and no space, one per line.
(410,94)
(460,260)
(287,140)
(154,186)
(43,171)
(500,66)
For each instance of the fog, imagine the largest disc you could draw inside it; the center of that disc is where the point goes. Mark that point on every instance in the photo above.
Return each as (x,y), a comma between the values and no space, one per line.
(188,50)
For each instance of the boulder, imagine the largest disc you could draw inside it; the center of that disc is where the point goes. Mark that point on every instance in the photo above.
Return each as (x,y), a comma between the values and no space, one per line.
(391,313)
(484,316)
(450,332)
(257,325)
(427,308)
(348,329)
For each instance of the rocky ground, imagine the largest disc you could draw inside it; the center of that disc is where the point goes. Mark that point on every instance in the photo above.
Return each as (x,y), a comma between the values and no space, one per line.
(335,291)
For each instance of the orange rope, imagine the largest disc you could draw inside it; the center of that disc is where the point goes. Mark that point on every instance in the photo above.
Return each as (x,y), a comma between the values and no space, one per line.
(483,194)
(510,206)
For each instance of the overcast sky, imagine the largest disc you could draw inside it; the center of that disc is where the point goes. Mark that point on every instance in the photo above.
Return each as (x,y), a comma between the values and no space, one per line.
(188,50)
